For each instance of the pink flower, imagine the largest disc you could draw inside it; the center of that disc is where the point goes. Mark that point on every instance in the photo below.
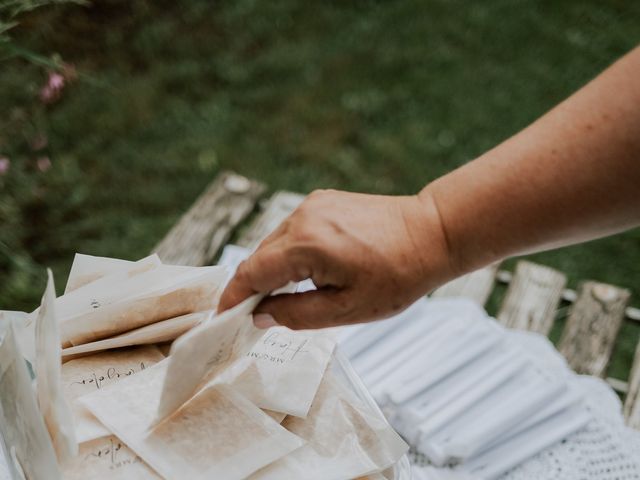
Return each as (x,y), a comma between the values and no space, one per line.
(5,164)
(43,163)
(52,90)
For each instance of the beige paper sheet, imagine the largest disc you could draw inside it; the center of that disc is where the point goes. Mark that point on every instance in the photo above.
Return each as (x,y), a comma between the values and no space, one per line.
(94,372)
(283,361)
(216,434)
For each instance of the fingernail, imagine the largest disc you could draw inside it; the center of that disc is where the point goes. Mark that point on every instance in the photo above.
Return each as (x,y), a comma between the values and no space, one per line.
(264,320)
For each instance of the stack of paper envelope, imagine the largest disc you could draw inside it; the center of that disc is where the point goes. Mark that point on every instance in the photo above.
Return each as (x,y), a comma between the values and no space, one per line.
(138,377)
(461,391)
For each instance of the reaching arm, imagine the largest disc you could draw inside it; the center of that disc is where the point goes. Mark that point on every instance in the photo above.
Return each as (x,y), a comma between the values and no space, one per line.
(571,176)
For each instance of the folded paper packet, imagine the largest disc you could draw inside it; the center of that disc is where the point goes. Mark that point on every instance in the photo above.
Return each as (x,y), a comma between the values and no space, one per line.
(216,434)
(26,334)
(51,400)
(29,451)
(283,361)
(206,351)
(88,268)
(162,331)
(345,439)
(121,302)
(94,372)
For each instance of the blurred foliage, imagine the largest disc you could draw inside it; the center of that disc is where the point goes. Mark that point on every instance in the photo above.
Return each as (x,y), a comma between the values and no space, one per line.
(364,95)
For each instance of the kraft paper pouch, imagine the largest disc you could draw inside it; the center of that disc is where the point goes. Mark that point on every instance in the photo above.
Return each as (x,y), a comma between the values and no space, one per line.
(53,405)
(345,439)
(162,331)
(94,372)
(206,351)
(283,370)
(108,458)
(119,303)
(87,268)
(217,434)
(23,434)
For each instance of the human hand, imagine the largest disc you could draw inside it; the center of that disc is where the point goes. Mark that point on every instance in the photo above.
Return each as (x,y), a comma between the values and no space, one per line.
(370,256)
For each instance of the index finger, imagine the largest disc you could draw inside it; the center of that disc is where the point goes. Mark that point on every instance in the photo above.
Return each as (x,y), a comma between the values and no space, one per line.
(267,269)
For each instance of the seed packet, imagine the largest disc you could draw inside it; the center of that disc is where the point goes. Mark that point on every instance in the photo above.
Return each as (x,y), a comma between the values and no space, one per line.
(216,434)
(108,458)
(162,331)
(345,439)
(206,351)
(23,434)
(284,361)
(94,372)
(51,400)
(87,268)
(121,302)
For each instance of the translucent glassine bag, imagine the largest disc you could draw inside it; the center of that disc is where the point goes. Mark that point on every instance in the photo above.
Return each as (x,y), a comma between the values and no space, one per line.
(206,351)
(23,433)
(162,331)
(108,458)
(283,370)
(345,439)
(94,372)
(119,303)
(51,400)
(88,268)
(216,434)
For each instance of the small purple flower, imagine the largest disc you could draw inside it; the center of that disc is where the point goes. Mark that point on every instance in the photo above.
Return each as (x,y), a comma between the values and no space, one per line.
(5,165)
(43,163)
(52,90)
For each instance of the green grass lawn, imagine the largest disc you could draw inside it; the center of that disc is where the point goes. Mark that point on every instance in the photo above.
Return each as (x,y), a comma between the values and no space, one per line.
(367,96)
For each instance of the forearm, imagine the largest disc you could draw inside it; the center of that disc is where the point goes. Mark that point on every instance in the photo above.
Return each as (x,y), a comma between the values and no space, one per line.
(571,176)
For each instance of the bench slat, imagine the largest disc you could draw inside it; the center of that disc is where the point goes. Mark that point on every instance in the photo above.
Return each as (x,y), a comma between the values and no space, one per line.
(592,327)
(476,285)
(632,400)
(532,298)
(278,207)
(208,224)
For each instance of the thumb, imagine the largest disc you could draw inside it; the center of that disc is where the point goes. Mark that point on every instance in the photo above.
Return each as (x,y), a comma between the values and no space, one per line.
(321,308)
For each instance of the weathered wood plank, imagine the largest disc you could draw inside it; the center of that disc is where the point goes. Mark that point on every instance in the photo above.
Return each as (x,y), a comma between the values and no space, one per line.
(277,208)
(209,223)
(592,327)
(476,286)
(570,295)
(632,400)
(532,298)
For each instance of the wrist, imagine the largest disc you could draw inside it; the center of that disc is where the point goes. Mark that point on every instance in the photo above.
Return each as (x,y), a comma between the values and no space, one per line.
(436,256)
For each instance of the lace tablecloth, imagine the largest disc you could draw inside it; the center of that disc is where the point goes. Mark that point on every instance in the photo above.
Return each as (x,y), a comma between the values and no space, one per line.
(604,450)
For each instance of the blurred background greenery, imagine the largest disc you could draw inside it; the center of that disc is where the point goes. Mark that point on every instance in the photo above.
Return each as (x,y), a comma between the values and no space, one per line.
(116,114)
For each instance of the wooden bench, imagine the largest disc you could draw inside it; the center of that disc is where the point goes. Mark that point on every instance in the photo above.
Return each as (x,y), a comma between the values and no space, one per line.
(531,302)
